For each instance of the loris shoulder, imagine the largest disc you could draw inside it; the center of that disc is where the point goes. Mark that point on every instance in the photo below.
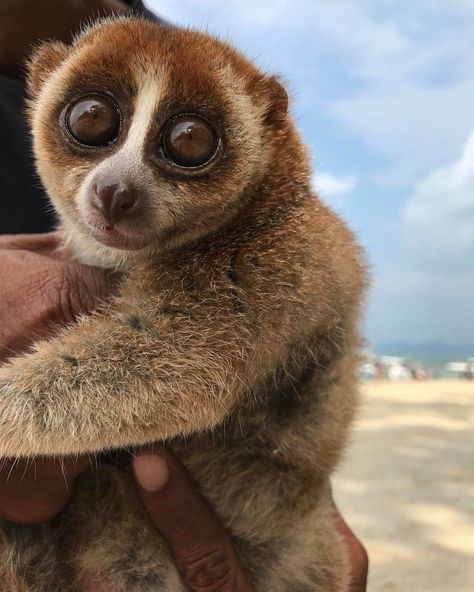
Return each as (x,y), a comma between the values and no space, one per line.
(170,156)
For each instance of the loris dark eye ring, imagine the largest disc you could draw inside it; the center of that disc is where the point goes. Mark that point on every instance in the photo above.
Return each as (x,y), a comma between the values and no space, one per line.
(93,120)
(189,141)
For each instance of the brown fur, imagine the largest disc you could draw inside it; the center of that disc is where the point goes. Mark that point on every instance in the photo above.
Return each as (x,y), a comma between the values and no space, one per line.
(234,337)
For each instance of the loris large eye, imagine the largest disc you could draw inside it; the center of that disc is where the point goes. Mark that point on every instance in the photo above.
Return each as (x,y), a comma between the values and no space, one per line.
(93,120)
(189,141)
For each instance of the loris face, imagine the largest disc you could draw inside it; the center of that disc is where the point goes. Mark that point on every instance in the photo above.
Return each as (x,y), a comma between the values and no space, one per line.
(148,137)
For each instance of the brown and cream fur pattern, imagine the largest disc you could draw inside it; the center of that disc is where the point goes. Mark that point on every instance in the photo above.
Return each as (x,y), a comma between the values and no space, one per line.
(234,337)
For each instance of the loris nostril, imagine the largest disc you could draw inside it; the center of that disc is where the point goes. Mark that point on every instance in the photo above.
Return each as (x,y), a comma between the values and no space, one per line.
(125,200)
(105,193)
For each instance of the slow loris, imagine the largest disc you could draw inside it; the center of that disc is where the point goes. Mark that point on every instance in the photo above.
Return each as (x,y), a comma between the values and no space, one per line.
(171,157)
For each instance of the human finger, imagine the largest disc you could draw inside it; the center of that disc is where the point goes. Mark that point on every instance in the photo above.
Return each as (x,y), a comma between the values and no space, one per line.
(200,546)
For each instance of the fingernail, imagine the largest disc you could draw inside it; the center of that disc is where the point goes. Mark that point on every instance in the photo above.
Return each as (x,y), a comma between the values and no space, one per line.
(151,471)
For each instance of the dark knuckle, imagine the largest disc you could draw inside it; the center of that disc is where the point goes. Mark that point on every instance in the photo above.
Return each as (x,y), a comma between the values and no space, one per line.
(212,571)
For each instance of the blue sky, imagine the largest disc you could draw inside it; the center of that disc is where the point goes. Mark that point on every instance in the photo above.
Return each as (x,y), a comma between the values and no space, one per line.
(383,91)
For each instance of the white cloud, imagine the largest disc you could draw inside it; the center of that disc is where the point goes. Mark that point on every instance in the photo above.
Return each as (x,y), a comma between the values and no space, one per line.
(439,218)
(329,186)
(412,127)
(414,102)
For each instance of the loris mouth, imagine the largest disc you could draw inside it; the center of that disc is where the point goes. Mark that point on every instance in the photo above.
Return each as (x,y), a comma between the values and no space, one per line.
(112,236)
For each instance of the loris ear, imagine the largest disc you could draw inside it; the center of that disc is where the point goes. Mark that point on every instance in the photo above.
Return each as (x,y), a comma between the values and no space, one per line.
(277,101)
(43,61)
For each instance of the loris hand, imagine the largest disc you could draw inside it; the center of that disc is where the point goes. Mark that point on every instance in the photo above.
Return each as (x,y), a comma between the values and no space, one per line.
(39,292)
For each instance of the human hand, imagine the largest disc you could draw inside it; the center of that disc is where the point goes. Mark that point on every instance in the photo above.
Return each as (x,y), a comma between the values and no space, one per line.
(199,544)
(33,21)
(358,557)
(34,491)
(39,291)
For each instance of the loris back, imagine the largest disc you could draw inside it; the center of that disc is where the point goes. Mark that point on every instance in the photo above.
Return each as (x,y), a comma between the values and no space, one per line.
(171,157)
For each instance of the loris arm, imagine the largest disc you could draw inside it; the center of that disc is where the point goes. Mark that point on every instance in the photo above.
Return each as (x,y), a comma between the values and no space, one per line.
(136,375)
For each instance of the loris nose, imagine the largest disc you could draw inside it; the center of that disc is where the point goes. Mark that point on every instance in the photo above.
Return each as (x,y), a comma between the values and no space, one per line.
(114,199)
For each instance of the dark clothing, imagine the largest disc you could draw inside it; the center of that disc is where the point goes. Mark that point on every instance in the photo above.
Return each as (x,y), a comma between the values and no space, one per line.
(23,204)
(139,8)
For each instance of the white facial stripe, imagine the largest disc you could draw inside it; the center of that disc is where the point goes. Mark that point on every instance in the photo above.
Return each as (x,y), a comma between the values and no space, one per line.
(145,106)
(130,155)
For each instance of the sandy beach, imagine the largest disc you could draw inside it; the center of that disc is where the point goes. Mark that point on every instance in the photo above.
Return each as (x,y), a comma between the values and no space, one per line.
(407,485)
